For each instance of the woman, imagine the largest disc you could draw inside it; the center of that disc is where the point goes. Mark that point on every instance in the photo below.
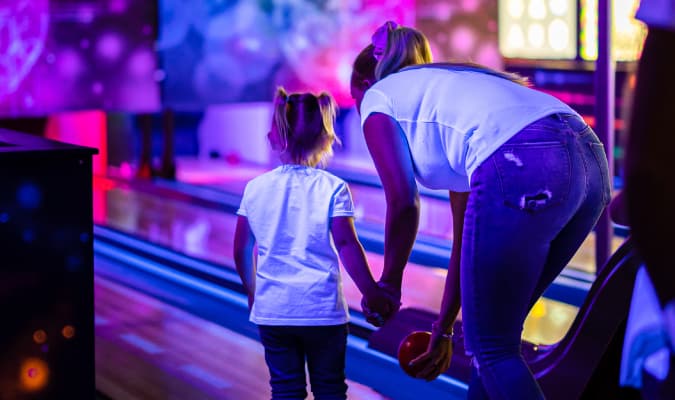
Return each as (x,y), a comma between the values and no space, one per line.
(649,198)
(527,180)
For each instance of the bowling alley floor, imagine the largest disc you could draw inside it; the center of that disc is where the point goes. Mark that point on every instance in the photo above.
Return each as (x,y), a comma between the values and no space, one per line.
(206,233)
(149,350)
(435,215)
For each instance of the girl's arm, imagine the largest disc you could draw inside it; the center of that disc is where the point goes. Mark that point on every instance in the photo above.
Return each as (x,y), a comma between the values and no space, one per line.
(389,149)
(244,259)
(355,263)
(352,255)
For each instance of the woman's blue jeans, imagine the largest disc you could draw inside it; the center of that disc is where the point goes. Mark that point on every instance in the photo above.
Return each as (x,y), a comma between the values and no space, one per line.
(324,348)
(532,204)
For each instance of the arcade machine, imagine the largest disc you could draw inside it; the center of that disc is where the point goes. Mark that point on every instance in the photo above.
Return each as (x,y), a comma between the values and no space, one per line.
(555,44)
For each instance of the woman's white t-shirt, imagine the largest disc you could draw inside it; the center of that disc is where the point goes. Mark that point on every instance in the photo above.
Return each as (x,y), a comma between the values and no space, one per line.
(455,119)
(298,278)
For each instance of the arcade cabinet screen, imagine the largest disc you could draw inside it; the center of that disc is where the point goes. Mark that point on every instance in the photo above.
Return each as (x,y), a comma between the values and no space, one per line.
(547,29)
(60,55)
(538,29)
(628,34)
(238,51)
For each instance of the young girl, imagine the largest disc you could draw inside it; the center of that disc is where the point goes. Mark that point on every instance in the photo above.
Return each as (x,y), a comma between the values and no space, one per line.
(301,219)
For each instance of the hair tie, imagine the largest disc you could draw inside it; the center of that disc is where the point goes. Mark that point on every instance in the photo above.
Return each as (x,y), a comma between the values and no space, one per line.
(380,37)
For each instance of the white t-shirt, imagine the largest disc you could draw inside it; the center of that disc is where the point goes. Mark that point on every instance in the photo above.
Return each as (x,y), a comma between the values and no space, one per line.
(657,13)
(454,119)
(298,274)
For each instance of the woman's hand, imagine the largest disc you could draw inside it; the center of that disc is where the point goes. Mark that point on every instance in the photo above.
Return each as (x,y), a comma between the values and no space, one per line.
(381,305)
(436,359)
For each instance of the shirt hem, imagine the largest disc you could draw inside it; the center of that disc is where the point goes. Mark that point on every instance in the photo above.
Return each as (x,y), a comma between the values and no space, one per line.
(299,321)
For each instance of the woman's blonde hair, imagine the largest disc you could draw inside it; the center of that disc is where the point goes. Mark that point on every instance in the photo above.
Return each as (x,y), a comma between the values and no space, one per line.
(305,123)
(408,47)
(405,46)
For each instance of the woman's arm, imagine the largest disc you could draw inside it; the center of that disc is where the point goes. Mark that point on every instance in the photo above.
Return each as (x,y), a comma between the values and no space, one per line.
(389,149)
(244,260)
(451,294)
(436,359)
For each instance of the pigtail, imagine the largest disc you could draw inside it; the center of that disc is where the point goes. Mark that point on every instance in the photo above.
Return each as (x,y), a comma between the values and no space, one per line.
(280,115)
(324,145)
(327,108)
(405,46)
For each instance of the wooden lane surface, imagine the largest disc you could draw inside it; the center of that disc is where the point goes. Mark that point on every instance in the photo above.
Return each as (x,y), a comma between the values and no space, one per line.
(369,203)
(148,350)
(207,234)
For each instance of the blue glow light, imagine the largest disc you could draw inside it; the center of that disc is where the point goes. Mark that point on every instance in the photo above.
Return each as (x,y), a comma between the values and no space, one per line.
(28,195)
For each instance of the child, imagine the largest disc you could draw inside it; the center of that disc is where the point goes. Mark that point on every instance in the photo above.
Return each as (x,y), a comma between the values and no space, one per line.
(293,284)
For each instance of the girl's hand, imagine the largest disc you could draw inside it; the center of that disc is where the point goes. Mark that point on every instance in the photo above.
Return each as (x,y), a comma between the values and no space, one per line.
(436,359)
(381,305)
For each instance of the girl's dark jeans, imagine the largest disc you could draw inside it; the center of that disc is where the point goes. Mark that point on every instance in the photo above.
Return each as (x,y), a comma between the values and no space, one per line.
(324,349)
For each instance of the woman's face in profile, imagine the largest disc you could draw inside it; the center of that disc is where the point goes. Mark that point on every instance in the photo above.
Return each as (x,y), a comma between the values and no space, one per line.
(357,89)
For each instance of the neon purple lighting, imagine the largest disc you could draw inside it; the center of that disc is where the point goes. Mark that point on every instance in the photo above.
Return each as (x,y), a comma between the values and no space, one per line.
(23,31)
(58,55)
(241,51)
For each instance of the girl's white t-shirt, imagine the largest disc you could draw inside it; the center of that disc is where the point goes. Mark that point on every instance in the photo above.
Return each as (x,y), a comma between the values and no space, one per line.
(298,278)
(455,119)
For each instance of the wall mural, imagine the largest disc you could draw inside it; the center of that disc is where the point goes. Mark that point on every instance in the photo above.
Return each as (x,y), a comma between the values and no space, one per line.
(239,51)
(60,55)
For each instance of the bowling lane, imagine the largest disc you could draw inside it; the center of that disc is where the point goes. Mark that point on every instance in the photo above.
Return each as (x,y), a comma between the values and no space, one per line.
(149,350)
(369,202)
(207,233)
(435,218)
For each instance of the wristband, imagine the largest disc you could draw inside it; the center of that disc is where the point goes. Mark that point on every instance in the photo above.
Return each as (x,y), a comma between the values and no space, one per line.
(436,329)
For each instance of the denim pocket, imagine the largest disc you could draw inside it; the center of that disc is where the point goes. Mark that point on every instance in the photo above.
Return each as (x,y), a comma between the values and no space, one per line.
(598,150)
(534,176)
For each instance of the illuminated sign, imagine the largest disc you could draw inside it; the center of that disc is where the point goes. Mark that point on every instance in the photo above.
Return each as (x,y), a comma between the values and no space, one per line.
(547,29)
(538,29)
(628,34)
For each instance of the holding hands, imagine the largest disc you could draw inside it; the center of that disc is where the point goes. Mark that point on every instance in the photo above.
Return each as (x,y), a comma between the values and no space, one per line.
(381,304)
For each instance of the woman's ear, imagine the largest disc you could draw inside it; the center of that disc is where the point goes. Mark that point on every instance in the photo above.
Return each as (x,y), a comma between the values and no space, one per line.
(367,83)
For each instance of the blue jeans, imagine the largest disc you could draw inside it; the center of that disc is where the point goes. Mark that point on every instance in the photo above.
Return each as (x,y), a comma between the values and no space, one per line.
(532,204)
(324,348)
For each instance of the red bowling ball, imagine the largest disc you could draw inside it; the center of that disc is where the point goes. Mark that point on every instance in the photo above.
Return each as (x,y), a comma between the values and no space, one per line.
(410,348)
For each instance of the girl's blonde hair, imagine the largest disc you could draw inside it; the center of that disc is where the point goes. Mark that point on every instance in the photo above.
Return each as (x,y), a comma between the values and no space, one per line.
(305,123)
(407,48)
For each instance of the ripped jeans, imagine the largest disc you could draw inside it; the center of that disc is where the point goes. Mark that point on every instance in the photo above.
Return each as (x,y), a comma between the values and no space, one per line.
(532,204)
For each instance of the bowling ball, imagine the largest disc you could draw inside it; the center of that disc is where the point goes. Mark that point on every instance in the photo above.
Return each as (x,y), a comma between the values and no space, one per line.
(410,348)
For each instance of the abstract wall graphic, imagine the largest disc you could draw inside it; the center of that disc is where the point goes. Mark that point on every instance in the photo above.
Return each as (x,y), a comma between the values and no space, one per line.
(23,31)
(460,30)
(60,55)
(239,50)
